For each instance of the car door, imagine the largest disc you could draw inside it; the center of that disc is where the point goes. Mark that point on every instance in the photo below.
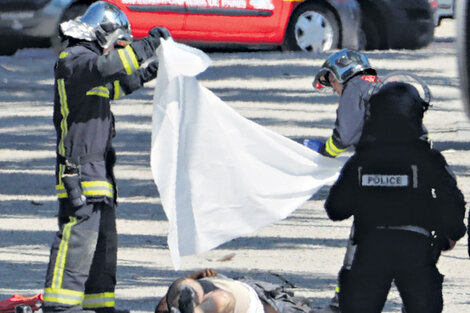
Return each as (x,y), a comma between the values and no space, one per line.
(13,12)
(145,14)
(240,21)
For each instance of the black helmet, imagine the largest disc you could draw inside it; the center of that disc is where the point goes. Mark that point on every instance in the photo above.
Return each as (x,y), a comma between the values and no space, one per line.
(421,92)
(396,110)
(343,64)
(103,22)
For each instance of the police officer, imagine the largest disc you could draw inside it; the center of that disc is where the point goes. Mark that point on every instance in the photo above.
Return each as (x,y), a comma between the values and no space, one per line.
(406,207)
(350,75)
(99,64)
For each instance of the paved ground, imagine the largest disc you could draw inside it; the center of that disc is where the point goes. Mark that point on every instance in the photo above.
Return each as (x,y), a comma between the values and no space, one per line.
(270,88)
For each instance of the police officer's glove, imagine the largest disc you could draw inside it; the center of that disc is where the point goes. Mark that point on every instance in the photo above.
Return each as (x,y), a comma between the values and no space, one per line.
(187,300)
(314,145)
(150,72)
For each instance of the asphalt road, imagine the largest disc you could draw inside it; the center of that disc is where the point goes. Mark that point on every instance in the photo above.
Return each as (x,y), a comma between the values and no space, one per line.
(271,88)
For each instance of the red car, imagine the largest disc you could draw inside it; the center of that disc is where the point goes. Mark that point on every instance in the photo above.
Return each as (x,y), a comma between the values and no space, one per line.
(310,25)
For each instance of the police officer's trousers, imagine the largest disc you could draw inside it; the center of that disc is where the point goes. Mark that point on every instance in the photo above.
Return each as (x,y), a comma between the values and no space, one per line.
(385,256)
(82,266)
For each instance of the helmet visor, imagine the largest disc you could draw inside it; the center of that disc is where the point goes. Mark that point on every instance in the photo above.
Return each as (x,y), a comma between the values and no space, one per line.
(321,79)
(343,65)
(408,78)
(109,22)
(94,16)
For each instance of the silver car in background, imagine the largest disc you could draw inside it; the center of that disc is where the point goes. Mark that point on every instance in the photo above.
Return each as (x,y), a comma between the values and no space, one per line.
(445,9)
(34,23)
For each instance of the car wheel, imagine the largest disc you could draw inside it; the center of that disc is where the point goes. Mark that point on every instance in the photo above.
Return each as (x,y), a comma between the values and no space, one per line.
(312,28)
(8,50)
(69,14)
(370,36)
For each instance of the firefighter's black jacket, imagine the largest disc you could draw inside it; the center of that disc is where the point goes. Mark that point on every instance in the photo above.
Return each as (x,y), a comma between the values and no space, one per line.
(396,179)
(85,82)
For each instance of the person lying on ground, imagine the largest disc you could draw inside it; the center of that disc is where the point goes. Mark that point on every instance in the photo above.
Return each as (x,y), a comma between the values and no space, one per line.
(207,291)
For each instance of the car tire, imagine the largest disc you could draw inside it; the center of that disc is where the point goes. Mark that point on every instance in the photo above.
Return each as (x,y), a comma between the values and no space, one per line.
(8,50)
(312,28)
(370,35)
(69,14)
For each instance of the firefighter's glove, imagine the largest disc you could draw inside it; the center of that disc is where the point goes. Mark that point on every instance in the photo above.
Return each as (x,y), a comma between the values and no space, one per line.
(150,71)
(314,145)
(74,189)
(160,32)
(187,300)
(155,34)
(146,47)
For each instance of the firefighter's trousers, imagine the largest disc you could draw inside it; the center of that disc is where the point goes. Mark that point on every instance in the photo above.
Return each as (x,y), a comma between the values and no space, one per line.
(82,265)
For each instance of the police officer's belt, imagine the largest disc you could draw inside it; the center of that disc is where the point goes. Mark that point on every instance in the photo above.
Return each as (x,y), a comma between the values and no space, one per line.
(92,157)
(415,229)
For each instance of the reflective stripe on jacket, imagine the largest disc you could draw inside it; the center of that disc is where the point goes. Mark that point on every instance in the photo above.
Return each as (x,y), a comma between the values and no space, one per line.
(350,115)
(85,82)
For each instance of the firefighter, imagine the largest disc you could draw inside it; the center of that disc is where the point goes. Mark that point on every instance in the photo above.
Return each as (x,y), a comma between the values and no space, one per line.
(100,63)
(350,75)
(406,207)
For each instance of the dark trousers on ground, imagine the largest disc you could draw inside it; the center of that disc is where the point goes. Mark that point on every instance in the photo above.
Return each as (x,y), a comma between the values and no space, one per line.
(385,256)
(82,266)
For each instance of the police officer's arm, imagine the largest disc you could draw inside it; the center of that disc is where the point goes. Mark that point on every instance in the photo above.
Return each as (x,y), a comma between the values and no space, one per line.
(340,202)
(451,203)
(349,121)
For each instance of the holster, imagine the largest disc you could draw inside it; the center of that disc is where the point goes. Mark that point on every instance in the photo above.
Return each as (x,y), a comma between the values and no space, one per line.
(350,250)
(72,174)
(71,181)
(439,243)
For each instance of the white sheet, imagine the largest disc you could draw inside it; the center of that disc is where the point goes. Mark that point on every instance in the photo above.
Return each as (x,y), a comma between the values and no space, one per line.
(220,175)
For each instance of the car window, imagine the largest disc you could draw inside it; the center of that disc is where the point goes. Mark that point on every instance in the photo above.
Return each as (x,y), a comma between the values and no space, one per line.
(13,5)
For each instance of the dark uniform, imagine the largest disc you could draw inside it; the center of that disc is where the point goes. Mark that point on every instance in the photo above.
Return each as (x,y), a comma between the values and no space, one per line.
(82,268)
(400,192)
